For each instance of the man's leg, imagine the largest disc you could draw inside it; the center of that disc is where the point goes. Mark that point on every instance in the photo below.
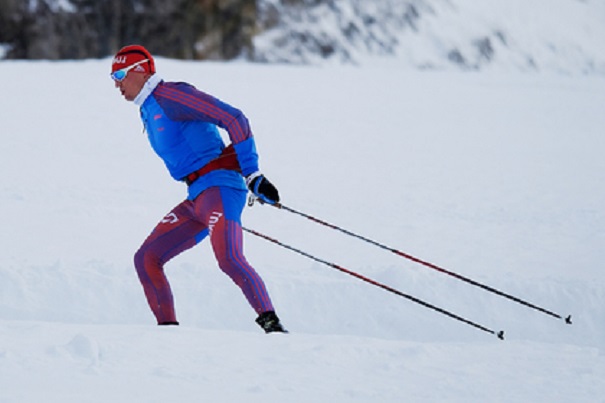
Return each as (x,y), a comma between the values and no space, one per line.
(174,234)
(220,209)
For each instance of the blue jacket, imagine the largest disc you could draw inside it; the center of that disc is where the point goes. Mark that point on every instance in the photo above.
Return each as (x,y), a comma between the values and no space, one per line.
(181,124)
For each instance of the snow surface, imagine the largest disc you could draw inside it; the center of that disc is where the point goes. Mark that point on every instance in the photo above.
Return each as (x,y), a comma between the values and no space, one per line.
(496,176)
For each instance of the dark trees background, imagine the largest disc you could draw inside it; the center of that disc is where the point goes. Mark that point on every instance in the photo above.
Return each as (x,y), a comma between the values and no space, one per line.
(186,29)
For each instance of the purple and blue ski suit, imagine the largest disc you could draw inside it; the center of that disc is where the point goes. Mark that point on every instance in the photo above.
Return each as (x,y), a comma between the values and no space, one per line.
(181,123)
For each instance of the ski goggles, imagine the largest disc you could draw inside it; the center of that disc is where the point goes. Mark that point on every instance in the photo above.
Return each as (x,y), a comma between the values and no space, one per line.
(120,75)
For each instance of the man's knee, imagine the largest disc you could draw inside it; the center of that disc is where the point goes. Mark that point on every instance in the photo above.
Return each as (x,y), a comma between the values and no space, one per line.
(145,258)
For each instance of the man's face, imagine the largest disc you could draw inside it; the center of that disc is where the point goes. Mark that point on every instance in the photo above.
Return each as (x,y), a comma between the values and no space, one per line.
(131,85)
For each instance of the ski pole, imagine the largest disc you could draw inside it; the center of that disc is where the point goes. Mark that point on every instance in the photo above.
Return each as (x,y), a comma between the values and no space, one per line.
(499,334)
(423,262)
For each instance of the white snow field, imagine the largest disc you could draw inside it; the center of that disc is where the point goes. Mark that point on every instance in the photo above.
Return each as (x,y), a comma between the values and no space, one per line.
(495,176)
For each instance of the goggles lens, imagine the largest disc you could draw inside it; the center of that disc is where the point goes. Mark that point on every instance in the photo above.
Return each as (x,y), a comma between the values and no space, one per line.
(120,75)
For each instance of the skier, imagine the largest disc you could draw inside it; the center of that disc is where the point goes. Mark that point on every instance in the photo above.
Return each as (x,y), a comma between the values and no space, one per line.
(181,124)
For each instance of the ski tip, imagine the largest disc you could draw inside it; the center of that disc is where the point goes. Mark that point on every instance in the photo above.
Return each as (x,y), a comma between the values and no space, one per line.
(568,320)
(500,334)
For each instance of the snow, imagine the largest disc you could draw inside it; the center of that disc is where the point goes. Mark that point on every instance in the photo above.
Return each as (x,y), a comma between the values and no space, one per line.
(496,176)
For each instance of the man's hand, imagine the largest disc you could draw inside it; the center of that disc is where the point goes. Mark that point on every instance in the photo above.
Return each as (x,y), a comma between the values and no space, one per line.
(262,188)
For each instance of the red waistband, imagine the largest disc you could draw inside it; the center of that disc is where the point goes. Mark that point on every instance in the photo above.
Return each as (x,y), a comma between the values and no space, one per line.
(226,160)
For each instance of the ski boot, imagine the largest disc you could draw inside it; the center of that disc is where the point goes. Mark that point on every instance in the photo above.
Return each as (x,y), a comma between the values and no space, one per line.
(270,322)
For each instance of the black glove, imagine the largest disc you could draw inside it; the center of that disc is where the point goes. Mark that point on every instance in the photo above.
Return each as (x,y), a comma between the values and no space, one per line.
(262,188)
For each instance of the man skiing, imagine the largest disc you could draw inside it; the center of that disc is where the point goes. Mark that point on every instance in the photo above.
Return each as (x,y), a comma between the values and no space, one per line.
(181,124)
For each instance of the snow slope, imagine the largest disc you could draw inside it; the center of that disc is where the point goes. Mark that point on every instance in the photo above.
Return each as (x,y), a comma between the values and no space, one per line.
(563,36)
(494,176)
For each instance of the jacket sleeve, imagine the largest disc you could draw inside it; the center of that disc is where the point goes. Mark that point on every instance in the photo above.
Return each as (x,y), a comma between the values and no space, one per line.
(183,102)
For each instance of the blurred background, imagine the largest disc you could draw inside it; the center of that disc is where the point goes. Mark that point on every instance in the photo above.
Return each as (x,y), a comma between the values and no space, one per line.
(515,35)
(77,29)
